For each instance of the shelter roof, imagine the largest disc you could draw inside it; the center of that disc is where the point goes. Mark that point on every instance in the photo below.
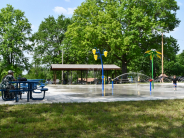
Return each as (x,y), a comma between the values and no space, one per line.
(84,67)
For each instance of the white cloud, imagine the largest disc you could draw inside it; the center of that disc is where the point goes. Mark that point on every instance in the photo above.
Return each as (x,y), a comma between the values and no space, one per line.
(180,4)
(176,29)
(71,10)
(67,0)
(32,26)
(61,10)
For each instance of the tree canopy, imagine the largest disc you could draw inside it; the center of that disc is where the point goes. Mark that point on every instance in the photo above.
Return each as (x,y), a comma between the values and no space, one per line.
(15,30)
(124,28)
(49,38)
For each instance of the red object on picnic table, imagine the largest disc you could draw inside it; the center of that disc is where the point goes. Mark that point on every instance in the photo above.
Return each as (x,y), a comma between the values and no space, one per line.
(151,80)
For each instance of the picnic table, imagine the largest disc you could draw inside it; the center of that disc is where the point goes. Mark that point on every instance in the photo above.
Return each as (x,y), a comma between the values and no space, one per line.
(31,86)
(38,80)
(35,80)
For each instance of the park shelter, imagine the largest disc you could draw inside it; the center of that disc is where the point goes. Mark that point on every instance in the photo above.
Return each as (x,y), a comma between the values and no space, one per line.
(83,67)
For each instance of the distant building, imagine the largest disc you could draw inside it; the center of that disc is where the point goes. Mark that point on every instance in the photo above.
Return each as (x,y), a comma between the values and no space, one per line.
(89,80)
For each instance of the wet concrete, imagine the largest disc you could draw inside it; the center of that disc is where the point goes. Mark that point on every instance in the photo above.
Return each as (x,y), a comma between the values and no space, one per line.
(93,93)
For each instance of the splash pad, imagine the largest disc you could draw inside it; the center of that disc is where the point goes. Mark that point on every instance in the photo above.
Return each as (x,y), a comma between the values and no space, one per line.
(92,93)
(119,91)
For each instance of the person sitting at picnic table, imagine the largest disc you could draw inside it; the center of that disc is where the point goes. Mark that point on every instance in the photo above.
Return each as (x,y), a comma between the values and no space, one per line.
(6,85)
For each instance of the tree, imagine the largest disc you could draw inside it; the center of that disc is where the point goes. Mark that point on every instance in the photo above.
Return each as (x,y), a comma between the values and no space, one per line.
(49,38)
(39,73)
(126,29)
(176,66)
(173,68)
(170,50)
(4,70)
(15,30)
(181,58)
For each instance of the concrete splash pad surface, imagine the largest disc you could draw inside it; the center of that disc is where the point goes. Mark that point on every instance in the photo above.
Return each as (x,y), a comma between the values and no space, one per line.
(93,93)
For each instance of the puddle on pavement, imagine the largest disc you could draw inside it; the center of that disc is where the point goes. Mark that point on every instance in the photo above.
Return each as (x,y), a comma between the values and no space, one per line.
(100,95)
(120,90)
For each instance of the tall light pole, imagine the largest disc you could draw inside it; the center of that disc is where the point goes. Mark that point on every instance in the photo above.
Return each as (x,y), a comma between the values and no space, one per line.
(62,64)
(162,59)
(98,55)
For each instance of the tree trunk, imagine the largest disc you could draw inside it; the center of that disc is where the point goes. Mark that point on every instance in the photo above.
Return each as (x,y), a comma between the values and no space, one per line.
(77,77)
(86,77)
(124,68)
(11,57)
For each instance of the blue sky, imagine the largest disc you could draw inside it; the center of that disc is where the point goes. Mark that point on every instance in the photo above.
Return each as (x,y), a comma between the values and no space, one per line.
(178,32)
(37,10)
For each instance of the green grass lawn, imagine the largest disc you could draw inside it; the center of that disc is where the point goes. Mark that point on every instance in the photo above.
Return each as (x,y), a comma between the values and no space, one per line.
(163,118)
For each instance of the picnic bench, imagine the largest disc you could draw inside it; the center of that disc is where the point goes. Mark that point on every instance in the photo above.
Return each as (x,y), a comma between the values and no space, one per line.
(24,86)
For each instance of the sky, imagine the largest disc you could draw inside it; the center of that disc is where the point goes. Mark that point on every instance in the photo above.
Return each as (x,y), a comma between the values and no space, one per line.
(37,10)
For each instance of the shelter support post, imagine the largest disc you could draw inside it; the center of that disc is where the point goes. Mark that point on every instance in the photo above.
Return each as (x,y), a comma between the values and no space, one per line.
(112,76)
(86,77)
(71,77)
(77,77)
(101,76)
(95,77)
(107,77)
(67,77)
(55,78)
(116,76)
(81,76)
(61,78)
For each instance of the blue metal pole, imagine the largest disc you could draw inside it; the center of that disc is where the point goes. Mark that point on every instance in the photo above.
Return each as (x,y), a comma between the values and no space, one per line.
(112,87)
(100,56)
(102,75)
(150,87)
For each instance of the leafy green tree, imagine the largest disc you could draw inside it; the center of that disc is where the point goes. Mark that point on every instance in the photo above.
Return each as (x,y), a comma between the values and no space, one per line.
(49,38)
(73,55)
(4,70)
(181,58)
(176,66)
(173,68)
(124,28)
(143,64)
(15,31)
(39,73)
